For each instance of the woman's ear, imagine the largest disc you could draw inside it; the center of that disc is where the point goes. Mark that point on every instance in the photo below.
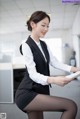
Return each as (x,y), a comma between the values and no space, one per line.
(32,24)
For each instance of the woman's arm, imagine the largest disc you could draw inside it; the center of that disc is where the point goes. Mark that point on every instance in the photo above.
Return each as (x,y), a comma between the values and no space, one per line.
(58,80)
(59,65)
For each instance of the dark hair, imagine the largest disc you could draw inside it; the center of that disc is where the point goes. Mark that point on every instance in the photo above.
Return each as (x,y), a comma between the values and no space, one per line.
(36,17)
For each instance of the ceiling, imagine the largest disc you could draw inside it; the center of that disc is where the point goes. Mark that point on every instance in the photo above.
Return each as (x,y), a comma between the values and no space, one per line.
(14,13)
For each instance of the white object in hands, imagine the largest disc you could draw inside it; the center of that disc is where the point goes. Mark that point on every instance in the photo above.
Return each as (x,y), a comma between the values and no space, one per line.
(74,75)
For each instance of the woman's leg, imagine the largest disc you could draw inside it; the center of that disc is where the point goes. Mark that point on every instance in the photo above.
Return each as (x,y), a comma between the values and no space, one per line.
(51,103)
(35,114)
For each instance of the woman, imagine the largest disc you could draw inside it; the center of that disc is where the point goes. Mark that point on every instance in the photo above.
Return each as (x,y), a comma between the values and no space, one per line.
(33,95)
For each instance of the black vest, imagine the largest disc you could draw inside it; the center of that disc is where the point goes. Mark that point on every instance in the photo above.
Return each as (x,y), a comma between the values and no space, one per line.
(42,66)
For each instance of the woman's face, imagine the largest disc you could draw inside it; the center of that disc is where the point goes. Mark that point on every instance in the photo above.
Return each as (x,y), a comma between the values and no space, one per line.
(41,28)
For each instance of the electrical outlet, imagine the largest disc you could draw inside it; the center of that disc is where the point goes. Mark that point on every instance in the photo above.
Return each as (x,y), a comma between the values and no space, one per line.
(3,116)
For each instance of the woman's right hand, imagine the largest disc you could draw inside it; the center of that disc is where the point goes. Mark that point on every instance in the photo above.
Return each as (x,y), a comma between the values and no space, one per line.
(59,80)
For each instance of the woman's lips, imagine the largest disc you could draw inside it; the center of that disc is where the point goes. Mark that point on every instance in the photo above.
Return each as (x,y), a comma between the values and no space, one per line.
(43,33)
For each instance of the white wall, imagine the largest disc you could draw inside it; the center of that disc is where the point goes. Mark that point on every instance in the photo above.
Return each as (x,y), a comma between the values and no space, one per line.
(76,34)
(66,36)
(12,40)
(76,24)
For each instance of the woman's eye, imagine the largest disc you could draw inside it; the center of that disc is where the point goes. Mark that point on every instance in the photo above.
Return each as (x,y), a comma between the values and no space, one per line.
(43,25)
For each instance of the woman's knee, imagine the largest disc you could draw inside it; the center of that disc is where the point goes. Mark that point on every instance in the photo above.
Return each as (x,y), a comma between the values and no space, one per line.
(73,106)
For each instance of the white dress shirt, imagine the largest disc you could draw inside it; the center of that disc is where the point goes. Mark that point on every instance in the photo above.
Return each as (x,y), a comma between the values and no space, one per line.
(31,66)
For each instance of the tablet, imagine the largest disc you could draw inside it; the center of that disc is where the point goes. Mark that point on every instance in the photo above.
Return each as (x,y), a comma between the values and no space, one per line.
(73,75)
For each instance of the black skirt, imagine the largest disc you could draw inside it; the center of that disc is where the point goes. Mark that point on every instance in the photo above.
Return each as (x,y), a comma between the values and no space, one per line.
(23,98)
(26,94)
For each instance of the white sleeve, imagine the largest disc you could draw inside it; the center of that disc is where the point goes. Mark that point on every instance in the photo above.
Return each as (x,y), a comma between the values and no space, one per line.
(59,65)
(31,66)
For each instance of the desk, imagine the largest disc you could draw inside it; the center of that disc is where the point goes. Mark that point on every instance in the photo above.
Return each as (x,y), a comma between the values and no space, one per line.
(18,66)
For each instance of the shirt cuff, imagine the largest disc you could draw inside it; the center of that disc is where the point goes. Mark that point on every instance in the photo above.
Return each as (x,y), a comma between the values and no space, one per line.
(44,81)
(68,68)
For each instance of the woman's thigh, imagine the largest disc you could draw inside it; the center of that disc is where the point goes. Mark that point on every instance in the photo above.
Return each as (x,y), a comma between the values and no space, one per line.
(49,103)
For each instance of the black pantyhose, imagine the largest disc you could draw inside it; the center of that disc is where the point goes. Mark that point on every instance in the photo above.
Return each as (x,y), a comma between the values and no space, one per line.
(51,103)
